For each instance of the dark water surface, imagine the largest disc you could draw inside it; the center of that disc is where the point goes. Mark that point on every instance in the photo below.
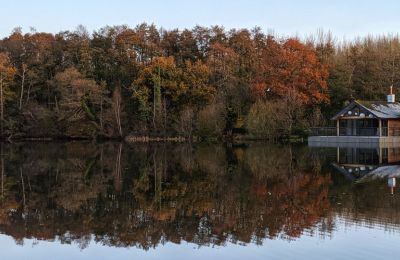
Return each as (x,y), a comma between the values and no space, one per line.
(82,200)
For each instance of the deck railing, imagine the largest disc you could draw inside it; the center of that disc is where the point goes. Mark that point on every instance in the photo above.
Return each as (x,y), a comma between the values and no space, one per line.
(323,131)
(359,131)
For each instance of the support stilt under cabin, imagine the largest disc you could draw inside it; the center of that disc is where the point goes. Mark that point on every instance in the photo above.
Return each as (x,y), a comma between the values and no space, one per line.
(376,122)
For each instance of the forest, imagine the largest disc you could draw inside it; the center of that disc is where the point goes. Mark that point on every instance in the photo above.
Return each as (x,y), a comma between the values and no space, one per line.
(204,83)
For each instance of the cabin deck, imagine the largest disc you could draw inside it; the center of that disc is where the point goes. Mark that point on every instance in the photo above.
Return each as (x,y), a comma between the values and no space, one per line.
(356,141)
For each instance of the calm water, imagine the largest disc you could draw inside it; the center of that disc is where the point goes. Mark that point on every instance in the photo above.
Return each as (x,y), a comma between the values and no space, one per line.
(83,200)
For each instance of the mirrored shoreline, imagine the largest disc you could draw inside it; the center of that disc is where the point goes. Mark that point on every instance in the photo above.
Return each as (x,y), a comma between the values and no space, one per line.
(147,196)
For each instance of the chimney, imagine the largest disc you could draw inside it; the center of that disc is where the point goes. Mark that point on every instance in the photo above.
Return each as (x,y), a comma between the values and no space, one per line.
(391,96)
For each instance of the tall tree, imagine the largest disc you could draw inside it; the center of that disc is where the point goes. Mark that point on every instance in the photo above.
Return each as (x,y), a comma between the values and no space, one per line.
(117,109)
(162,79)
(7,72)
(295,67)
(78,99)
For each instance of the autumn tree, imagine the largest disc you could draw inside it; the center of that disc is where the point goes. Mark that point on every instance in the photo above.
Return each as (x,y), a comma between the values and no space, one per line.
(77,98)
(19,52)
(7,72)
(263,120)
(211,121)
(295,67)
(161,79)
(196,77)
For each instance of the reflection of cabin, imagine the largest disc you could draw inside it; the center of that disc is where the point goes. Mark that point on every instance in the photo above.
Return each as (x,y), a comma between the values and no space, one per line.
(364,121)
(365,164)
(367,156)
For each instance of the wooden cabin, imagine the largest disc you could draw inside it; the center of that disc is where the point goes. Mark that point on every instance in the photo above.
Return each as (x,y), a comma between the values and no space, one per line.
(368,118)
(363,121)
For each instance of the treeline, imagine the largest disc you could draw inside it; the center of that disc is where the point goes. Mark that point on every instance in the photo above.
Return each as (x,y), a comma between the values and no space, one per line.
(204,82)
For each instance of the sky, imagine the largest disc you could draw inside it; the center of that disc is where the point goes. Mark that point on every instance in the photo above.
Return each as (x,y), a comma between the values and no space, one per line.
(346,19)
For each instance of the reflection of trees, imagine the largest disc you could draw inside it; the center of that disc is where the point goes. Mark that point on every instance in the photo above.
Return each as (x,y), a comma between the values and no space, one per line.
(368,203)
(146,195)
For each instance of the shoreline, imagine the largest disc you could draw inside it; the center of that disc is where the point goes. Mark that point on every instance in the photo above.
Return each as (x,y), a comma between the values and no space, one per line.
(157,139)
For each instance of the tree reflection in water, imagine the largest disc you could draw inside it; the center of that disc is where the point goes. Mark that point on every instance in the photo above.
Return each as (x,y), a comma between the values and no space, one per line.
(146,195)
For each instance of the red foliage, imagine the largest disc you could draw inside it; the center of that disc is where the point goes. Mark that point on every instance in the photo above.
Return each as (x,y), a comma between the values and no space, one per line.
(292,66)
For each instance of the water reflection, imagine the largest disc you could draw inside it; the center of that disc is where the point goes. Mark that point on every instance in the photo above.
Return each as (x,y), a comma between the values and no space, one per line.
(365,187)
(368,164)
(147,195)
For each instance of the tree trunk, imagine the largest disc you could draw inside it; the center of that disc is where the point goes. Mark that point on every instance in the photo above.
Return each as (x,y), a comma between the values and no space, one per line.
(117,107)
(29,92)
(165,117)
(118,169)
(23,188)
(22,86)
(2,171)
(1,107)
(101,114)
(154,107)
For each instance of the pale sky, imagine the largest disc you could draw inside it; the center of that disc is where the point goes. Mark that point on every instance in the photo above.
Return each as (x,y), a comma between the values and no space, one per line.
(344,18)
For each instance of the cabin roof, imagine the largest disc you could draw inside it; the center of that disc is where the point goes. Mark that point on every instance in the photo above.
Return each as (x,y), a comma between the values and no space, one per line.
(379,109)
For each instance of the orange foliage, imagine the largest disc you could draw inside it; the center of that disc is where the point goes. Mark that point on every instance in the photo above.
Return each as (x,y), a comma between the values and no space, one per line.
(292,66)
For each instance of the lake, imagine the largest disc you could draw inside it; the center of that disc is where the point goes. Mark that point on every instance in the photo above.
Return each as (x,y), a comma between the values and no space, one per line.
(85,200)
